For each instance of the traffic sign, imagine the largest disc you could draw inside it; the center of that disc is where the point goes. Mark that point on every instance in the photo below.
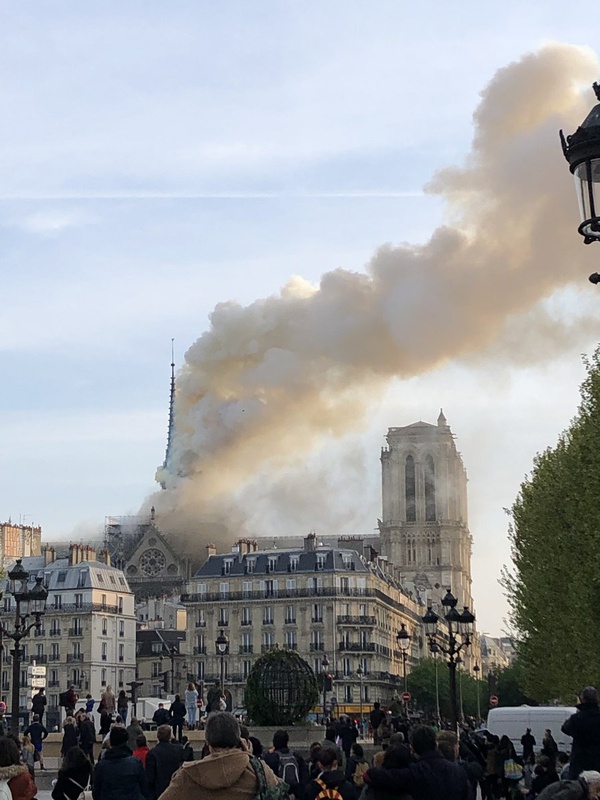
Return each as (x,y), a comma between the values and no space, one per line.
(38,683)
(406,697)
(38,671)
(493,700)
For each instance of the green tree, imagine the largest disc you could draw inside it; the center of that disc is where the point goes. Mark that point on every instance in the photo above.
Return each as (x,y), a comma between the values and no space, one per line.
(510,684)
(422,686)
(555,547)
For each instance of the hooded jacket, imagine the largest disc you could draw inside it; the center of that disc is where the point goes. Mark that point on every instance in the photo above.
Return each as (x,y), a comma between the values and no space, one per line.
(161,763)
(20,782)
(432,777)
(333,780)
(119,776)
(584,727)
(226,775)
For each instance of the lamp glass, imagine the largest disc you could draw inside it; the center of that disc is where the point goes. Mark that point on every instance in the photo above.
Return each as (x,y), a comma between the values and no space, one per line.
(587,186)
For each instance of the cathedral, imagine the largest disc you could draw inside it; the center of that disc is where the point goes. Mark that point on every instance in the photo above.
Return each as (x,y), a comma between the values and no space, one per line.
(424,528)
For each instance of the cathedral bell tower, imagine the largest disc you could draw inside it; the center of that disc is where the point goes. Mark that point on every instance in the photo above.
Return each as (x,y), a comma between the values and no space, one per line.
(424,528)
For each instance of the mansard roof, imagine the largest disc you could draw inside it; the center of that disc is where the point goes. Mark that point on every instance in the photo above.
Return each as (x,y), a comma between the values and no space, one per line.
(279,562)
(60,575)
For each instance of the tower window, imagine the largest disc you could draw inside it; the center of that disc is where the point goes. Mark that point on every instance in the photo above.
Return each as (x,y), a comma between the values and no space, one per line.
(409,484)
(430,515)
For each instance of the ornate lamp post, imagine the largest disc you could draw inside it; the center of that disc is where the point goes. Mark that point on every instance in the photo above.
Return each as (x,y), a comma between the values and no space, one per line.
(582,151)
(404,643)
(360,673)
(324,665)
(460,630)
(30,603)
(222,645)
(477,670)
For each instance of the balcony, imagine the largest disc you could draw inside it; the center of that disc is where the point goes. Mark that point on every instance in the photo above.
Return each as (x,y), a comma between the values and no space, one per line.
(201,623)
(75,631)
(268,622)
(53,684)
(329,591)
(223,623)
(357,647)
(54,632)
(200,650)
(39,632)
(246,622)
(317,620)
(74,658)
(290,621)
(316,646)
(348,620)
(266,648)
(291,646)
(54,657)
(246,648)
(39,659)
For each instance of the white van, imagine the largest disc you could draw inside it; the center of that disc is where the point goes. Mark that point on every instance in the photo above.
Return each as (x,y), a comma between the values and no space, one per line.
(513,721)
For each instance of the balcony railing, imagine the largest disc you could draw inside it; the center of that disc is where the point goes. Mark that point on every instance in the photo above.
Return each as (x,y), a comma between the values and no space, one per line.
(358,647)
(200,650)
(43,659)
(75,631)
(317,620)
(54,631)
(53,684)
(74,658)
(290,621)
(39,632)
(246,648)
(201,623)
(316,646)
(54,657)
(246,622)
(361,620)
(329,591)
(268,622)
(76,607)
(266,648)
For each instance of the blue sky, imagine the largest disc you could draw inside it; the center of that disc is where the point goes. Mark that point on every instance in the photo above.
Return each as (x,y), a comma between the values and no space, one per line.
(158,158)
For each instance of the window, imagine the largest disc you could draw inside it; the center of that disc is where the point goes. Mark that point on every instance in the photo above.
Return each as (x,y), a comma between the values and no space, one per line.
(227,564)
(156,669)
(104,626)
(121,628)
(39,651)
(268,615)
(316,640)
(347,694)
(223,617)
(57,601)
(290,615)
(224,589)
(246,616)
(121,653)
(345,585)
(271,588)
(294,563)
(104,601)
(409,489)
(120,604)
(7,604)
(200,667)
(200,619)
(430,514)
(290,584)
(246,588)
(246,643)
(100,577)
(157,647)
(321,557)
(250,565)
(103,677)
(246,667)
(268,640)
(55,654)
(121,678)
(201,589)
(78,601)
(290,640)
(104,651)
(346,666)
(81,578)
(272,563)
(317,615)
(76,651)
(62,576)
(112,579)
(317,666)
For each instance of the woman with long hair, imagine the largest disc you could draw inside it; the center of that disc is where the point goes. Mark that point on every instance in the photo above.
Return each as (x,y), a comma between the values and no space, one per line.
(70,736)
(17,775)
(108,700)
(191,705)
(122,706)
(73,776)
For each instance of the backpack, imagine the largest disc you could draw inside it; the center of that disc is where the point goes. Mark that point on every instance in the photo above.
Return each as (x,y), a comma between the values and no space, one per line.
(326,792)
(288,769)
(360,770)
(278,792)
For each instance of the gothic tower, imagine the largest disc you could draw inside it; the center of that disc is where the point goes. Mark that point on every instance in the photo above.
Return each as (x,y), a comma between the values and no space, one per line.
(424,530)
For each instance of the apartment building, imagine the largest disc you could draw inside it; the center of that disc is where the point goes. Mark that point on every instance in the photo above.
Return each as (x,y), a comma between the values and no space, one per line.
(87,636)
(321,601)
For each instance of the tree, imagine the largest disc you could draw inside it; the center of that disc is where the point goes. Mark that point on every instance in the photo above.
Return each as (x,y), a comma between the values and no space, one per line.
(555,547)
(422,686)
(509,687)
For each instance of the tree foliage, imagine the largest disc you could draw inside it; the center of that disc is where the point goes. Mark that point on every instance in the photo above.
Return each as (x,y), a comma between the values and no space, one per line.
(422,686)
(555,547)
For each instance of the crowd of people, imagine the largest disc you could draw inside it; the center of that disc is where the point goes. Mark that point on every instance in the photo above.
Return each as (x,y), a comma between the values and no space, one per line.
(409,762)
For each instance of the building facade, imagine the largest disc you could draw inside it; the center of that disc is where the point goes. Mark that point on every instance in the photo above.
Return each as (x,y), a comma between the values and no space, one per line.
(19,541)
(87,636)
(162,664)
(319,601)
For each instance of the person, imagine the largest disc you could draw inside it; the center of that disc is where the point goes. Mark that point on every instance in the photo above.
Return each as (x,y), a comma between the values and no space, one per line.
(122,703)
(347,733)
(177,712)
(70,698)
(287,764)
(507,752)
(73,775)
(549,747)
(385,731)
(226,772)
(162,762)
(330,779)
(431,776)
(584,727)
(28,753)
(376,717)
(528,743)
(134,729)
(257,748)
(108,701)
(37,733)
(105,722)
(38,704)
(161,716)
(89,703)
(188,750)
(70,738)
(19,780)
(543,775)
(395,757)
(494,767)
(313,764)
(141,748)
(191,704)
(586,786)
(118,775)
(564,766)
(356,765)
(87,736)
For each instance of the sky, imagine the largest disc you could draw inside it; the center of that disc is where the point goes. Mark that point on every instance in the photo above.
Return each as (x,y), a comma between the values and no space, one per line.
(160,158)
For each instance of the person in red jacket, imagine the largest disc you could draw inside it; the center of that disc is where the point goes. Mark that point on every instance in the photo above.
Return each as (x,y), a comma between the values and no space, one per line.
(142,749)
(17,775)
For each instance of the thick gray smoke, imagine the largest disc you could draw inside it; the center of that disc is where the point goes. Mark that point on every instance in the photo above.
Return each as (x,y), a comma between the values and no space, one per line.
(267,383)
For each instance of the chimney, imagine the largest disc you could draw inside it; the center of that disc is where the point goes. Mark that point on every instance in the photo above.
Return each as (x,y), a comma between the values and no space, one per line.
(310,542)
(243,547)
(49,554)
(253,546)
(72,556)
(211,550)
(104,556)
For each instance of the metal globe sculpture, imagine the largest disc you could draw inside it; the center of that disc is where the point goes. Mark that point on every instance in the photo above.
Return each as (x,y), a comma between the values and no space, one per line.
(281,689)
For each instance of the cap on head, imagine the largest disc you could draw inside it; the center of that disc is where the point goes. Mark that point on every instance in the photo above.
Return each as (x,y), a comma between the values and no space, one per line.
(589,695)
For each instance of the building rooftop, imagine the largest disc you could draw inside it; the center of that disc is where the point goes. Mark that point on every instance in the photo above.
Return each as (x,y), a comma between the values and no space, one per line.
(282,562)
(61,575)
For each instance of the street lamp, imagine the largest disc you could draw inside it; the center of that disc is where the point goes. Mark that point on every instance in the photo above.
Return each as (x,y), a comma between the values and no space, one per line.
(29,603)
(324,665)
(360,673)
(477,670)
(404,643)
(582,151)
(222,645)
(461,627)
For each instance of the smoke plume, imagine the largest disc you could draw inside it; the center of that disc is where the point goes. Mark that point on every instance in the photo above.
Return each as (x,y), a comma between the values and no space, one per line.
(267,384)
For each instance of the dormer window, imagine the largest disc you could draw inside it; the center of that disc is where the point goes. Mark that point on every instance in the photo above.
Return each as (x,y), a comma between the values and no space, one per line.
(294,563)
(321,560)
(272,563)
(250,564)
(227,564)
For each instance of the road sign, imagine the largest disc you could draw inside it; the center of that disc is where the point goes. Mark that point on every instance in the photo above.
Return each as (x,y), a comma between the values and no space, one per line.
(37,671)
(493,700)
(406,697)
(38,683)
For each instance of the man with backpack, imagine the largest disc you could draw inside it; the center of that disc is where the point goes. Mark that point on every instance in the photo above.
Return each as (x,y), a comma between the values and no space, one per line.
(287,764)
(330,784)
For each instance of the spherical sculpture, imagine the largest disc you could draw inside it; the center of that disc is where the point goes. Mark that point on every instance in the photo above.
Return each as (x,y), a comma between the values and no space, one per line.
(281,689)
